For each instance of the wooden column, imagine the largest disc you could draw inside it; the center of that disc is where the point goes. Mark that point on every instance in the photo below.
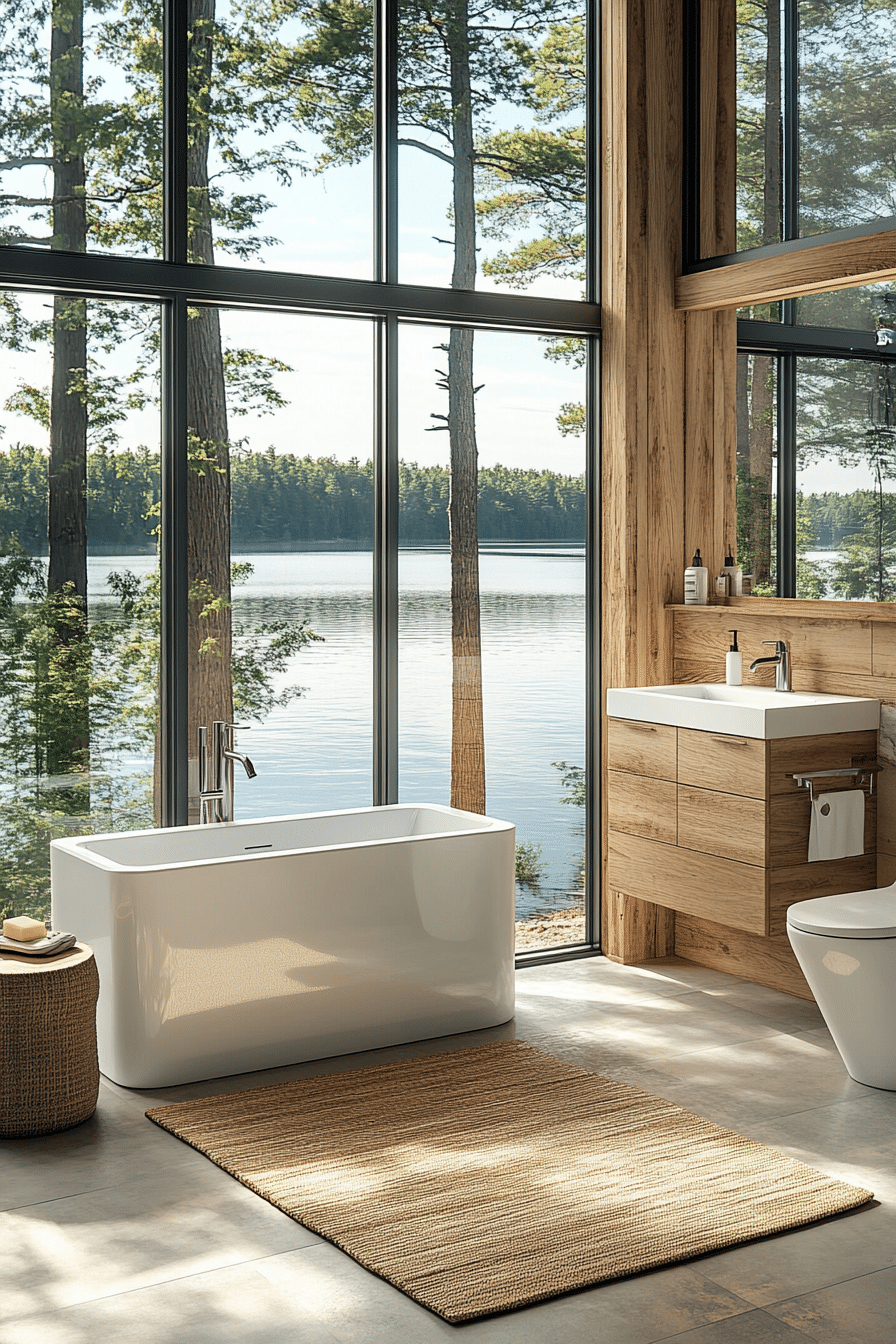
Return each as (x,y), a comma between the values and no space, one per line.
(668,412)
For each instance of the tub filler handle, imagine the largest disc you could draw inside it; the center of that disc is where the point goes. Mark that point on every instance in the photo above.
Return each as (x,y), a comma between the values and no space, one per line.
(216,771)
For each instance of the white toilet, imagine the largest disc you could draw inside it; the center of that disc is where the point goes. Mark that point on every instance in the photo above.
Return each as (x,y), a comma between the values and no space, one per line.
(846,946)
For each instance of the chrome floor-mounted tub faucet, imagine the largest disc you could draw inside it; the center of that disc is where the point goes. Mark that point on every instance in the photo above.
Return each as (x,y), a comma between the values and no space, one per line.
(216,771)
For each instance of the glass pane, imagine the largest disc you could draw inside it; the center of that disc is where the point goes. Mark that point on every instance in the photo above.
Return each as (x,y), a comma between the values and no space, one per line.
(759,151)
(81,126)
(280,517)
(857,309)
(757,379)
(79,604)
(846,474)
(281,136)
(492,668)
(847,113)
(492,145)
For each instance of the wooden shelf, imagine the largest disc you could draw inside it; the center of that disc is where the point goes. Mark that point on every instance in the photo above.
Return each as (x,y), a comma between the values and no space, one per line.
(821,610)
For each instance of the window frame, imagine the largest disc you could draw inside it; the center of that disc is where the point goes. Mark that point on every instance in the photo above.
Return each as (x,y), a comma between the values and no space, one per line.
(175,285)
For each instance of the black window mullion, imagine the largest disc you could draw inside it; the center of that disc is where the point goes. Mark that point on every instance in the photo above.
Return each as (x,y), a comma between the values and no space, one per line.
(786,528)
(385,567)
(173,663)
(592,155)
(386,140)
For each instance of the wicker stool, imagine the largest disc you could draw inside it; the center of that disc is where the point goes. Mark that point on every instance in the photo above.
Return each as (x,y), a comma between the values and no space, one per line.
(49,1075)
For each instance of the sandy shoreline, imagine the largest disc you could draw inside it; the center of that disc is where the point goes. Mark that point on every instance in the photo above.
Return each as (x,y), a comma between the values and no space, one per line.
(553,930)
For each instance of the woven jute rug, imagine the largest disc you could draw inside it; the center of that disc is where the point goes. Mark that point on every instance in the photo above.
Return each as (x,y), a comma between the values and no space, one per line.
(486,1179)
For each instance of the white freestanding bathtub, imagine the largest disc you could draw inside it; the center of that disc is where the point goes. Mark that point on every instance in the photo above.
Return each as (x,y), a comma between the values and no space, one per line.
(228,948)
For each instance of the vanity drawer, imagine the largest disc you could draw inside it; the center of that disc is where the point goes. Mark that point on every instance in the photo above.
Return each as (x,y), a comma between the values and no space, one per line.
(642,748)
(642,806)
(681,879)
(722,823)
(726,764)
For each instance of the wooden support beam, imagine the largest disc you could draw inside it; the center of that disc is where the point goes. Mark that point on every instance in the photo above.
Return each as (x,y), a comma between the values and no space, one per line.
(814,269)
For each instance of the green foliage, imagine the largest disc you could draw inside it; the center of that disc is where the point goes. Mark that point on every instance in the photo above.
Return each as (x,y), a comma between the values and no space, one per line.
(847,171)
(280,499)
(572,778)
(53,664)
(529,865)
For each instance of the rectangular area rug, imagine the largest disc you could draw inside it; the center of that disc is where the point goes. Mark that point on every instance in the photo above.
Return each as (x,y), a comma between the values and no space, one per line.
(490,1178)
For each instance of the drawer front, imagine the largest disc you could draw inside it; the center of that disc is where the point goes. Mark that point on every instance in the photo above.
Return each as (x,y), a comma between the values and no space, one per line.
(726,764)
(722,823)
(642,748)
(642,806)
(698,884)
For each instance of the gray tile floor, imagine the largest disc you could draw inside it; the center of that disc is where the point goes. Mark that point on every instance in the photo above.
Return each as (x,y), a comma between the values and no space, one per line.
(116,1231)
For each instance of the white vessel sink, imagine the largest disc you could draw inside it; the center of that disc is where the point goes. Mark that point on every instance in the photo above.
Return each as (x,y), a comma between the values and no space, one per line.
(744,711)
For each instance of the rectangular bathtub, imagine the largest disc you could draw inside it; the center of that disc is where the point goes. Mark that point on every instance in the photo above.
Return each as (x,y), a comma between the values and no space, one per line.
(228,948)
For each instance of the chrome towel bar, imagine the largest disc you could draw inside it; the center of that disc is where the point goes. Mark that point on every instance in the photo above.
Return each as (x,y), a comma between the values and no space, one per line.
(806,777)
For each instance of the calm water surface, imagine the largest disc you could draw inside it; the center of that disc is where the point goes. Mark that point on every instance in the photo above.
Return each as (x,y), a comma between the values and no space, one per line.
(315,753)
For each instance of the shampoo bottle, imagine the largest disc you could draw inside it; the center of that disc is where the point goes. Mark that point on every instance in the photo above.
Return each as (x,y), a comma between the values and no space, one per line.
(733,663)
(696,583)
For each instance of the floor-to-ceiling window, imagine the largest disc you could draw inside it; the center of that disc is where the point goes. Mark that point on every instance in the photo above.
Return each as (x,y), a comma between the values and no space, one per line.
(298,411)
(816,457)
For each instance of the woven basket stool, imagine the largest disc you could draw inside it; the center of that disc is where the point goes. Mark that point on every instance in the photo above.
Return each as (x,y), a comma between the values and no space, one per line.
(49,1075)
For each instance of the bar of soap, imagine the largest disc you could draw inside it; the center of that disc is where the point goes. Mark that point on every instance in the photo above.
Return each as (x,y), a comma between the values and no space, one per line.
(24,929)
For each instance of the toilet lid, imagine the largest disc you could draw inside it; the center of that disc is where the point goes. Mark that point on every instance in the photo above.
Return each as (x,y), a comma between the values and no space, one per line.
(857,914)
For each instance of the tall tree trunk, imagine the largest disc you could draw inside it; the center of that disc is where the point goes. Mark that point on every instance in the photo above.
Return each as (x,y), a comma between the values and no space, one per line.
(467,734)
(762,425)
(762,391)
(208,486)
(68,726)
(772,201)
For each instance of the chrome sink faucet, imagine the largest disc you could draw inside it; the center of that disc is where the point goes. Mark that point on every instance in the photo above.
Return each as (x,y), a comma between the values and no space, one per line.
(781,660)
(216,772)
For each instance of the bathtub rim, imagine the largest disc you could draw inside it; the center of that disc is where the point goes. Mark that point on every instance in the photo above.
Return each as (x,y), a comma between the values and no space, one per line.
(78,845)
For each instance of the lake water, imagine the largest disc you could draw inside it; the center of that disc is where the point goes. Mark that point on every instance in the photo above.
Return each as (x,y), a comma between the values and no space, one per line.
(315,753)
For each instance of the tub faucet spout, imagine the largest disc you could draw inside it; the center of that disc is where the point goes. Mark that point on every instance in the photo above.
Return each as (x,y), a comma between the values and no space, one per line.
(781,660)
(216,772)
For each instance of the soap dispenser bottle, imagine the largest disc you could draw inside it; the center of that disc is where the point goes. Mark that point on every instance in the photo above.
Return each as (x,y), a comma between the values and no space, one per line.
(733,662)
(696,583)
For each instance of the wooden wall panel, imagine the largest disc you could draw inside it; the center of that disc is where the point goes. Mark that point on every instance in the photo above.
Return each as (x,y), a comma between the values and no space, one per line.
(883,661)
(668,413)
(829,644)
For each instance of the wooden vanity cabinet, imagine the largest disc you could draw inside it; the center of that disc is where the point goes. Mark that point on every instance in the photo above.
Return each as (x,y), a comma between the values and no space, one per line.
(715,826)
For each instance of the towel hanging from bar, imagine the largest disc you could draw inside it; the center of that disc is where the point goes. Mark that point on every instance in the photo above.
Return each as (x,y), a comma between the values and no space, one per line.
(837,827)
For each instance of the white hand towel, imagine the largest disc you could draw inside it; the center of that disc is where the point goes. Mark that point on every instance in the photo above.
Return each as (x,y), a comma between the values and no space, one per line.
(837,828)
